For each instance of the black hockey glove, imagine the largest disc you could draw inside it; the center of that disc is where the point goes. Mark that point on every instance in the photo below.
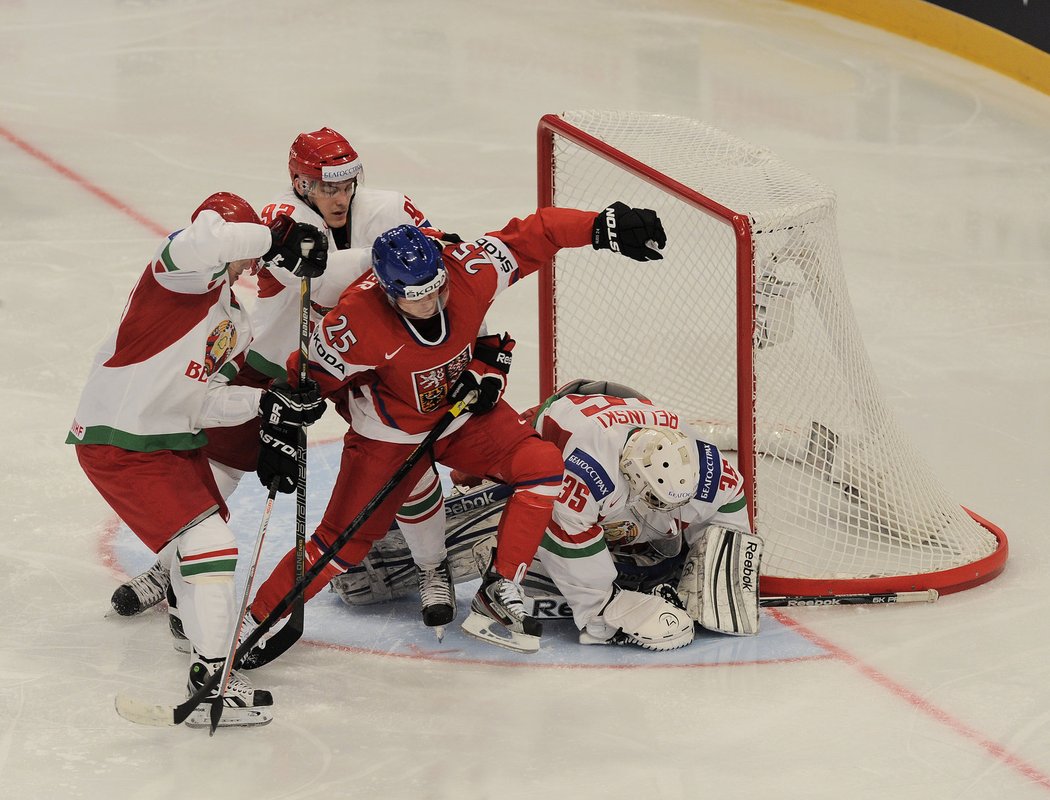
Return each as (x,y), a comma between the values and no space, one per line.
(634,232)
(278,456)
(486,373)
(283,406)
(297,247)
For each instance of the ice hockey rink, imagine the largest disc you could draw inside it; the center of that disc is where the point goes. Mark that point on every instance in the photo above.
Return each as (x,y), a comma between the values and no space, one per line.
(117,118)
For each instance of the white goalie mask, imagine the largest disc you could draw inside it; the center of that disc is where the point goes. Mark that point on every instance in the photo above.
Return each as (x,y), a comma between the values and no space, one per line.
(662,466)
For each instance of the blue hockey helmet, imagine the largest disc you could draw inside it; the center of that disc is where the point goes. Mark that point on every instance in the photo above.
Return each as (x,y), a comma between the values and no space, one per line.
(408,266)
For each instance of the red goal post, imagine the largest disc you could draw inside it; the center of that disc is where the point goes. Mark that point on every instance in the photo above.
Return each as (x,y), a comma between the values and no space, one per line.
(746,328)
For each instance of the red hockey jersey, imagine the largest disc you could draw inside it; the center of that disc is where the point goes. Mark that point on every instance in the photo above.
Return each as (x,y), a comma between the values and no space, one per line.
(381,372)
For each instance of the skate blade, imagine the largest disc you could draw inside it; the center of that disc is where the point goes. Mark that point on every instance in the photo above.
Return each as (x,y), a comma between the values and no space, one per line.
(486,629)
(231,717)
(439,631)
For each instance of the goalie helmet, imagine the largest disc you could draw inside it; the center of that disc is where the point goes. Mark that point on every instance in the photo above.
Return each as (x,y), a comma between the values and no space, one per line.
(230,207)
(323,155)
(408,266)
(662,466)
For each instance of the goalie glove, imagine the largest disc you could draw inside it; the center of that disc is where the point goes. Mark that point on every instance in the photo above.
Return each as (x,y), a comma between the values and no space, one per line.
(652,621)
(486,373)
(634,232)
(297,247)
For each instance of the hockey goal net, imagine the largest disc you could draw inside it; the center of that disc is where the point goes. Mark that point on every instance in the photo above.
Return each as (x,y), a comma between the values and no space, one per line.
(746,327)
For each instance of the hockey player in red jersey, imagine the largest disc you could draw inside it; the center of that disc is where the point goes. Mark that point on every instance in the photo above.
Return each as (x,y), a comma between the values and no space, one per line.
(162,377)
(400,347)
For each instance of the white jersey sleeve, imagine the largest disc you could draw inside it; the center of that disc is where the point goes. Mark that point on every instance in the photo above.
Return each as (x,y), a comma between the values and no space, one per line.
(197,255)
(720,497)
(181,338)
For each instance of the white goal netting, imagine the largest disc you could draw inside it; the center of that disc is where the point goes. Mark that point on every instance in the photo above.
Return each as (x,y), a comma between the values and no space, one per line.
(839,493)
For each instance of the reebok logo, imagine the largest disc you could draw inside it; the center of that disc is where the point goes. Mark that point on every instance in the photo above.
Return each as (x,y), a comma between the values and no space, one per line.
(469,503)
(748,573)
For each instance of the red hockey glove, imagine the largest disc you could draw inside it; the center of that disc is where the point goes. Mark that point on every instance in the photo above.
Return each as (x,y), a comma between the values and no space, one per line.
(486,373)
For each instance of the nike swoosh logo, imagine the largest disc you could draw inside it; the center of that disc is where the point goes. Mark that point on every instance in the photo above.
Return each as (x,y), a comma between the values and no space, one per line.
(391,355)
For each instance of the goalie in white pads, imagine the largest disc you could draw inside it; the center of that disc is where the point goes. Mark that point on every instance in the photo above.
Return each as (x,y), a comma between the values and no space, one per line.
(645,509)
(639,482)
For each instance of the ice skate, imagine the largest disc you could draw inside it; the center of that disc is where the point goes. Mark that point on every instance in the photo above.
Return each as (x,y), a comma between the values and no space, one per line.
(243,705)
(498,615)
(437,597)
(143,591)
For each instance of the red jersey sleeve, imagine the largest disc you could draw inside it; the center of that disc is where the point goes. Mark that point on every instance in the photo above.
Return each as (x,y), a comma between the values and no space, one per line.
(537,238)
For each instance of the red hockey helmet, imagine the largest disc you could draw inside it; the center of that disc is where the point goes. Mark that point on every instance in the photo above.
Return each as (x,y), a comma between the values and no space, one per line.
(230,207)
(323,155)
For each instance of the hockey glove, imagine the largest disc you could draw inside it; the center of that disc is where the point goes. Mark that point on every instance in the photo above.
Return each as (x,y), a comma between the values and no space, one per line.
(297,247)
(634,232)
(283,406)
(486,373)
(278,456)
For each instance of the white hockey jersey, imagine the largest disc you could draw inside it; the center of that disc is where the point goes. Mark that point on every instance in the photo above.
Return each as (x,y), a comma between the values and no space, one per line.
(163,374)
(276,313)
(593,512)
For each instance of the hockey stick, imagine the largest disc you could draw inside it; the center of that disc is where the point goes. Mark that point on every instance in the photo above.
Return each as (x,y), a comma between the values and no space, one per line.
(279,643)
(875,599)
(146,714)
(227,667)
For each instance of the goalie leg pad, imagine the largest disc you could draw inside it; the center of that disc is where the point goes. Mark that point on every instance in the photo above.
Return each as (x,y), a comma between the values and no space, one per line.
(389,570)
(647,620)
(719,583)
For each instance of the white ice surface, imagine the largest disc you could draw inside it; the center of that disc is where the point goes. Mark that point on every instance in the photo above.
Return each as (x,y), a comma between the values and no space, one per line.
(117,117)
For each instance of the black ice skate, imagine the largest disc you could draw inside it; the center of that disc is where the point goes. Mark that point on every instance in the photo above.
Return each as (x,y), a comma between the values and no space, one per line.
(143,591)
(437,597)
